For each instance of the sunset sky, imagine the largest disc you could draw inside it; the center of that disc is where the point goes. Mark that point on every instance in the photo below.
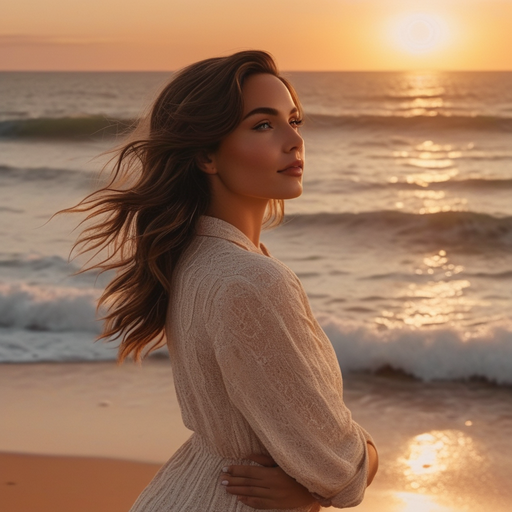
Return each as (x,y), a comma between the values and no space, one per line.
(301,34)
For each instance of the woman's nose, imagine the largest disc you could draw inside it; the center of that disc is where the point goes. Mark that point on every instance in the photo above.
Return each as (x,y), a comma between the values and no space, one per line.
(295,141)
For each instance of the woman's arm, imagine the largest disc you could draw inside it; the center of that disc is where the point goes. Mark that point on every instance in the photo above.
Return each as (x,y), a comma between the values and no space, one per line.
(281,373)
(269,487)
(266,486)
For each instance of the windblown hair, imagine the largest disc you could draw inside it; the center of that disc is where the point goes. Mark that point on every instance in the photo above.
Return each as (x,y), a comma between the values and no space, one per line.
(145,217)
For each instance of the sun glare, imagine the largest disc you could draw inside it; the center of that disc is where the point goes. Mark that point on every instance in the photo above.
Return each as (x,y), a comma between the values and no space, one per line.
(419,33)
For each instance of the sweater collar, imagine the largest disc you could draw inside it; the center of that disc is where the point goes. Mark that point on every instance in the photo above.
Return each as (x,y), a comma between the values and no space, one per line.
(217,228)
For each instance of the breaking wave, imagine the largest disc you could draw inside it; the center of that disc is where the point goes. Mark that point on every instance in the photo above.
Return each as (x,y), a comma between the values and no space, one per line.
(436,354)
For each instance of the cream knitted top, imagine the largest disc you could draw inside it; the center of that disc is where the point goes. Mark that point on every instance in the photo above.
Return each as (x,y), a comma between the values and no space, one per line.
(254,373)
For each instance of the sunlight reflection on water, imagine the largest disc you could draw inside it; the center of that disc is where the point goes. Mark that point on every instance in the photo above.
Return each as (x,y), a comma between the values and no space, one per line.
(419,503)
(433,463)
(432,454)
(430,304)
(440,300)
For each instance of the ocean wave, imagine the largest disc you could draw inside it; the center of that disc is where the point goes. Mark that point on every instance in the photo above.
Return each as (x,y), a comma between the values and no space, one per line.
(394,122)
(96,126)
(406,277)
(15,175)
(49,346)
(453,228)
(83,127)
(60,326)
(426,354)
(488,184)
(35,262)
(48,308)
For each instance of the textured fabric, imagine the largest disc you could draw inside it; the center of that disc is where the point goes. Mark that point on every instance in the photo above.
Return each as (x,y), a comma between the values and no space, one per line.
(254,373)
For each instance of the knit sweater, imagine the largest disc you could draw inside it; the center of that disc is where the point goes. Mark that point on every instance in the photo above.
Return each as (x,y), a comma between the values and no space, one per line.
(254,373)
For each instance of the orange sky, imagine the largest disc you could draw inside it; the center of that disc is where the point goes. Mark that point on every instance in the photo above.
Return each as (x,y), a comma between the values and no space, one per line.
(301,34)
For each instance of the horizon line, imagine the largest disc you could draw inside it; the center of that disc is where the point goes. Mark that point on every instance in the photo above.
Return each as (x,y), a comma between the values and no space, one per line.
(419,70)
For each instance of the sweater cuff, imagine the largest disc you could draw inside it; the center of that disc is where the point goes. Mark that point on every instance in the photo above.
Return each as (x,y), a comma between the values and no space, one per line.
(323,501)
(354,491)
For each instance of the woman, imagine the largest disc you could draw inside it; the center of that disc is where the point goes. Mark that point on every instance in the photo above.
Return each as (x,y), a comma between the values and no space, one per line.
(256,378)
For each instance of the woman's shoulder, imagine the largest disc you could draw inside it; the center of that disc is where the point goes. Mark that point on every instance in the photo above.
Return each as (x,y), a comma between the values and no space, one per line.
(227,259)
(217,262)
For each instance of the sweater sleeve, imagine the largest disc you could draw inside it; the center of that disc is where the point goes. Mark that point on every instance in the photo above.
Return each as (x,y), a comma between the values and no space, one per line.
(281,372)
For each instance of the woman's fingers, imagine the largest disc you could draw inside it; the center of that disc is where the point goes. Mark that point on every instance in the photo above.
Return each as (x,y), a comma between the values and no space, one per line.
(258,503)
(242,482)
(249,490)
(264,460)
(247,471)
(263,487)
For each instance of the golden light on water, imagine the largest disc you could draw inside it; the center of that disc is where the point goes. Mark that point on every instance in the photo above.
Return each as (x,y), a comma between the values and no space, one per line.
(429,454)
(419,503)
(429,162)
(440,301)
(435,164)
(430,304)
(432,461)
(432,453)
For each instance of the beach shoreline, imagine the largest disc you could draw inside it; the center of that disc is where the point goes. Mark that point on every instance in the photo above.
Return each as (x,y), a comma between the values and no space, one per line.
(442,445)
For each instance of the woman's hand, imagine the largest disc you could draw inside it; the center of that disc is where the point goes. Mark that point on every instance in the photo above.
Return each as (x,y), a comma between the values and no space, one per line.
(265,488)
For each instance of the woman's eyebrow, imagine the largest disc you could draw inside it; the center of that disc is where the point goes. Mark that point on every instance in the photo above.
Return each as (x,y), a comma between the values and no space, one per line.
(267,110)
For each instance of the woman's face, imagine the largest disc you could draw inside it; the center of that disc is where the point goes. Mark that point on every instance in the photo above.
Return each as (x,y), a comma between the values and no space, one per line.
(263,157)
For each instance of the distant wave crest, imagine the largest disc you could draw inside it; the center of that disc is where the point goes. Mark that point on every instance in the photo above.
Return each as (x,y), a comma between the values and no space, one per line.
(393,122)
(80,127)
(36,263)
(15,175)
(449,228)
(477,184)
(91,126)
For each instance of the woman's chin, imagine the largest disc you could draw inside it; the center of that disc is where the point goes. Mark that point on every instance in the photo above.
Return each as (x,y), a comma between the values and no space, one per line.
(290,192)
(294,195)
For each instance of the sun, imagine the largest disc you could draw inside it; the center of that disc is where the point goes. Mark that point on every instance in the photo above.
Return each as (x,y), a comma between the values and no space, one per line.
(419,33)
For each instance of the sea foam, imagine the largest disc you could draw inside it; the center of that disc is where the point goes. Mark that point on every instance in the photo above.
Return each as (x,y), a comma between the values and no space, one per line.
(43,323)
(426,354)
(47,308)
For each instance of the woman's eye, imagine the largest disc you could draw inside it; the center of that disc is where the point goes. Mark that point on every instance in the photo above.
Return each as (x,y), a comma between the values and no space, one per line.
(262,126)
(297,122)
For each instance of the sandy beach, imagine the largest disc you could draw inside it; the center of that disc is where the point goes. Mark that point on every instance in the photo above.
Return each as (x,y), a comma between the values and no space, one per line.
(81,484)
(94,434)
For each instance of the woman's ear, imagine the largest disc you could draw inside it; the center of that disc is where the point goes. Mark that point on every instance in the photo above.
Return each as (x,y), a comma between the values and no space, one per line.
(206,163)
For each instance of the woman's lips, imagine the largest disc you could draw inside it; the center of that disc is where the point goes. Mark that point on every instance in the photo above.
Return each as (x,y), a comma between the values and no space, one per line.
(292,171)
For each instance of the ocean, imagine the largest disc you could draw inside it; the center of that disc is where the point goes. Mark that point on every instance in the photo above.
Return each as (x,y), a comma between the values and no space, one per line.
(402,237)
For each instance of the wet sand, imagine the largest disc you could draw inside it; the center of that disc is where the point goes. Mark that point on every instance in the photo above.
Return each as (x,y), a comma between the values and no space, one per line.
(95,433)
(80,484)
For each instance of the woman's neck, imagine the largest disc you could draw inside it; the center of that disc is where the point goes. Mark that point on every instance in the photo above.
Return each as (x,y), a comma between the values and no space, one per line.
(247,216)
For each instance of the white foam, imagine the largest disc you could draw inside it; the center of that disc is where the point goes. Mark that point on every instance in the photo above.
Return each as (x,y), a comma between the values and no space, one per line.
(49,323)
(17,346)
(48,308)
(427,354)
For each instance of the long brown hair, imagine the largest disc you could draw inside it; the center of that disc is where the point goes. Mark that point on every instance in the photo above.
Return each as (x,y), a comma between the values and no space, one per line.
(145,217)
